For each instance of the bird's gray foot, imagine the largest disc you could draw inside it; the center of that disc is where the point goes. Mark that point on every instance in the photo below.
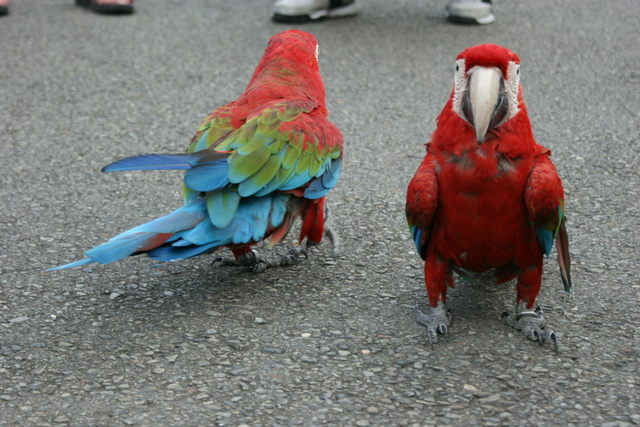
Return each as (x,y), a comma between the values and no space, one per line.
(531,324)
(291,257)
(333,239)
(258,263)
(437,321)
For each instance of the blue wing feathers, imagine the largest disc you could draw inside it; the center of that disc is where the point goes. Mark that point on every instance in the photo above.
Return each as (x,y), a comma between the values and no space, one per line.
(546,235)
(150,162)
(545,239)
(222,206)
(320,186)
(279,209)
(207,176)
(416,234)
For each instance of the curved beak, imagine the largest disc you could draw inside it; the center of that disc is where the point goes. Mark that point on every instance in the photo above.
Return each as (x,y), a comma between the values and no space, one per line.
(485,104)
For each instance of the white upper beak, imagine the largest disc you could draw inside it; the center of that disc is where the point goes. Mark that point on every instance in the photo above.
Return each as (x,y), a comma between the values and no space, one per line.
(485,91)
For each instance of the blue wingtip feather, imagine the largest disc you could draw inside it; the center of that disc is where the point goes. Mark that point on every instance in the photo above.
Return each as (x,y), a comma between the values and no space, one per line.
(320,186)
(207,176)
(149,162)
(545,239)
(416,233)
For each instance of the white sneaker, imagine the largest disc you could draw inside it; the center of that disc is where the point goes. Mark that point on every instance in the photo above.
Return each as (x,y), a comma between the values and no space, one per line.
(470,12)
(311,10)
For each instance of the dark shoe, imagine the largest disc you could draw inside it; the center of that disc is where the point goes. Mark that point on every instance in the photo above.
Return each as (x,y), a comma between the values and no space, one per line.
(4,7)
(107,6)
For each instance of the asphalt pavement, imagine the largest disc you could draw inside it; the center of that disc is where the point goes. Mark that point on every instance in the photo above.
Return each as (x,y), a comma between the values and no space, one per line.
(326,342)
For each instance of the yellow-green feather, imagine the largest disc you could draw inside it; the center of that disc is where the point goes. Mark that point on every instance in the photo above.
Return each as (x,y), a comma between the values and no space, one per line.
(261,178)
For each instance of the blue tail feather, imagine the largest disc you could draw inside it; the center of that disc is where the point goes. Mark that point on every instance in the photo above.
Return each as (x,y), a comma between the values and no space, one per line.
(72,264)
(193,232)
(132,241)
(170,253)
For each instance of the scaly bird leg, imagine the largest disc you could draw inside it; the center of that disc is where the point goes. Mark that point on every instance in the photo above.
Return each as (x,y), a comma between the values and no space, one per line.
(333,239)
(329,234)
(258,263)
(437,321)
(531,324)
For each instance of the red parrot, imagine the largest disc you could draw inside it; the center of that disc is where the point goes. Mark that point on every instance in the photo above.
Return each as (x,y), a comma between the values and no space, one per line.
(253,166)
(486,196)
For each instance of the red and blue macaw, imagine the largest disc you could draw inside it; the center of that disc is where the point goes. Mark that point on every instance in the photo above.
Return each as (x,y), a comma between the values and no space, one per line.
(487,196)
(253,167)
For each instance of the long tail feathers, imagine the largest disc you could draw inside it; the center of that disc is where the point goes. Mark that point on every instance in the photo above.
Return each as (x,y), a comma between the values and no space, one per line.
(562,246)
(72,264)
(189,230)
(144,237)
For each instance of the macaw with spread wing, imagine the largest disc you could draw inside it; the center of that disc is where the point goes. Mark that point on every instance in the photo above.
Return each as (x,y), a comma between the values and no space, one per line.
(486,196)
(253,167)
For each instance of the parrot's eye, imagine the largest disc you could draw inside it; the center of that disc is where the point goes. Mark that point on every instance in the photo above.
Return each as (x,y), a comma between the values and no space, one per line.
(457,68)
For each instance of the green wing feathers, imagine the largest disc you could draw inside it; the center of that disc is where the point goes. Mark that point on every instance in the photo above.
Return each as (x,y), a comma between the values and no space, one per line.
(281,147)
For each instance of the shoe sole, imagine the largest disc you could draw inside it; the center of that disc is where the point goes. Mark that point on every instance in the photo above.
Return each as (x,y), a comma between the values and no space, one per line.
(293,19)
(106,8)
(481,14)
(338,12)
(471,21)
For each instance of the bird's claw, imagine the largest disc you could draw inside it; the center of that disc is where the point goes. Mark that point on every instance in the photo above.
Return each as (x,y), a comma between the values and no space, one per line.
(437,321)
(333,239)
(258,263)
(531,324)
(249,259)
(291,257)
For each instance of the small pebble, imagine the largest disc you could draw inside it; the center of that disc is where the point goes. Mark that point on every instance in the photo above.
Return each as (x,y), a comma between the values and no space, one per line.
(489,399)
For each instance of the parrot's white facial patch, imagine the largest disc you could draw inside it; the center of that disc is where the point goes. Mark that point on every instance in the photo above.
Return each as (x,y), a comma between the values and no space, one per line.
(459,86)
(511,86)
